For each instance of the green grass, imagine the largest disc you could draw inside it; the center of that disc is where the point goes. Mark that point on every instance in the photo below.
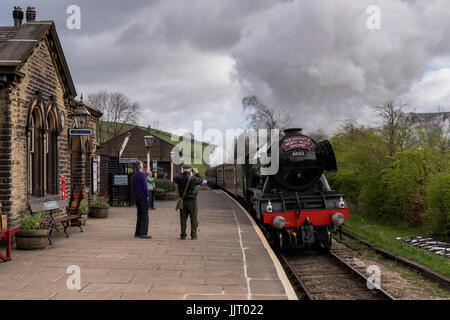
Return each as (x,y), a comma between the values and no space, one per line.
(384,234)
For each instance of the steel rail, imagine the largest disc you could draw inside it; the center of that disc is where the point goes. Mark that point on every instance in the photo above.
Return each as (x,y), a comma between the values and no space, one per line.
(297,278)
(305,289)
(363,277)
(443,281)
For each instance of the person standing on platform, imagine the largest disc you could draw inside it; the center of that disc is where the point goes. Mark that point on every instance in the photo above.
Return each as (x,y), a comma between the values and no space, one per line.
(151,183)
(187,188)
(142,198)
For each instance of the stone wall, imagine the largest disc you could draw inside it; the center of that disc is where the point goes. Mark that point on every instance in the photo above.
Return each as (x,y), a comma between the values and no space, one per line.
(41,74)
(5,152)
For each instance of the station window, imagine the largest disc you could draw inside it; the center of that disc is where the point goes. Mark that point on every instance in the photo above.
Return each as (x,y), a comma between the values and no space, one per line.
(42,151)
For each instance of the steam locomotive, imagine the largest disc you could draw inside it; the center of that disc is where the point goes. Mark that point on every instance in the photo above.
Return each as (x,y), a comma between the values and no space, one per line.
(294,207)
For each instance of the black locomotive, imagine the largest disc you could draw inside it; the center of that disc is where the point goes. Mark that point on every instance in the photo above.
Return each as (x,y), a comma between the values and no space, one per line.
(295,206)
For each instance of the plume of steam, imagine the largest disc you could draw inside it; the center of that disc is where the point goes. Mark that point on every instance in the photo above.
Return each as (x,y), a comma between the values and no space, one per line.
(318,60)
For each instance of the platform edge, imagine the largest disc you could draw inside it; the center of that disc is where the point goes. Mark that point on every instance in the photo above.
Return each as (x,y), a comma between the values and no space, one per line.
(290,293)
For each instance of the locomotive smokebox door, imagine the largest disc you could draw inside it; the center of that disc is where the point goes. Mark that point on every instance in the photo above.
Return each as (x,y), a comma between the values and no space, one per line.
(307,233)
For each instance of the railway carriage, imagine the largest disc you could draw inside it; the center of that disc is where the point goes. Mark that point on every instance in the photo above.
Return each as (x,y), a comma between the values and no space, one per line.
(294,207)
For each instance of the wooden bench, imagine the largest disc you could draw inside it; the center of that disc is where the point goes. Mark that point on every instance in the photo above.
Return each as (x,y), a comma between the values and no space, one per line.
(71,213)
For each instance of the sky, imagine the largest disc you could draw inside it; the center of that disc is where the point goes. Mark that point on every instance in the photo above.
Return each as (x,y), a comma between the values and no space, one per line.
(316,60)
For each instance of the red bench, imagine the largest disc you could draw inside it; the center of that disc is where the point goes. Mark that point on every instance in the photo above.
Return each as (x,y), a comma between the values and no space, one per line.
(7,235)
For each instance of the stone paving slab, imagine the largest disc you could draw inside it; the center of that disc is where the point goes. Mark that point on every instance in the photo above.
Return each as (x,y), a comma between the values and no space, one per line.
(228,261)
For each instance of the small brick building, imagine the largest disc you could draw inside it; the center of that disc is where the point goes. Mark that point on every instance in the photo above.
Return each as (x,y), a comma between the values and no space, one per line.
(135,149)
(37,102)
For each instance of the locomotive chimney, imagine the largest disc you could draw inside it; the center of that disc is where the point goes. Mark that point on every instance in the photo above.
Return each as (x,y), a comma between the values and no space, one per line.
(17,16)
(31,14)
(293,131)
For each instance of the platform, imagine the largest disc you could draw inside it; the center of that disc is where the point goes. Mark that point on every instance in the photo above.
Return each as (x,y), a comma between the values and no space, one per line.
(230,259)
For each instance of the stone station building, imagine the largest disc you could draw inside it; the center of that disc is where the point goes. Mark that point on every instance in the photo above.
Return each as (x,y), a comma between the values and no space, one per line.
(37,104)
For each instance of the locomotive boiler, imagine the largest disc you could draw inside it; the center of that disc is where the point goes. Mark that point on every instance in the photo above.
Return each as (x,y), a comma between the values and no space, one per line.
(294,207)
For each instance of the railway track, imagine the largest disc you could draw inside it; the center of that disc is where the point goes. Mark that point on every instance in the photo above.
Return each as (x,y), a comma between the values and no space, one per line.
(325,276)
(442,281)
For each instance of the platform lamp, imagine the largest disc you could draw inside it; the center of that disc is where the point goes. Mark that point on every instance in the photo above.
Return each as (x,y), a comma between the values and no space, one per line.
(81,116)
(148,141)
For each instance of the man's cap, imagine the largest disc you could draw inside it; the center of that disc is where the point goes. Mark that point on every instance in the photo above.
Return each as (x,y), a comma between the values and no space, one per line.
(187,166)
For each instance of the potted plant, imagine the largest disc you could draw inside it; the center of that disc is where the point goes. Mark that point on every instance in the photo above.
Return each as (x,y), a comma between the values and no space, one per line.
(33,233)
(84,207)
(99,206)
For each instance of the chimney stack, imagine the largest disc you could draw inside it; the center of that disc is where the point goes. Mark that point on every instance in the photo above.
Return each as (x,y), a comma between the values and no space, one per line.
(31,14)
(17,16)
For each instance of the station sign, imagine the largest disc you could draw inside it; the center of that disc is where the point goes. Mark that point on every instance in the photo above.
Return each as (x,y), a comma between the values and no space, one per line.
(128,160)
(51,205)
(80,132)
(121,180)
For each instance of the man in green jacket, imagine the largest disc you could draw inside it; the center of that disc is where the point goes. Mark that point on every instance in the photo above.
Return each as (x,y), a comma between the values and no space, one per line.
(151,184)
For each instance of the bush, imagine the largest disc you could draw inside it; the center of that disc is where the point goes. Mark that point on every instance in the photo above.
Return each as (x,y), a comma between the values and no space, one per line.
(438,201)
(165,185)
(404,185)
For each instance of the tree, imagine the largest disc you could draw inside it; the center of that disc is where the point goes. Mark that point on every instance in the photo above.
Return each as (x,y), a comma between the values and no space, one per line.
(397,126)
(117,109)
(261,116)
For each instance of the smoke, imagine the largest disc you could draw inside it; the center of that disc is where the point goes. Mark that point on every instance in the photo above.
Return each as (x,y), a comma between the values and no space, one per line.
(318,61)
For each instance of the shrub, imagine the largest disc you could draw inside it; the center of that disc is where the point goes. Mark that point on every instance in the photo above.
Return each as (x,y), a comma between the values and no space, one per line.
(38,221)
(438,201)
(404,185)
(165,185)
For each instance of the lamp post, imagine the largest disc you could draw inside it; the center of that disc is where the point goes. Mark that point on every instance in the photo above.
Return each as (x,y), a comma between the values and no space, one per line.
(171,165)
(81,118)
(148,141)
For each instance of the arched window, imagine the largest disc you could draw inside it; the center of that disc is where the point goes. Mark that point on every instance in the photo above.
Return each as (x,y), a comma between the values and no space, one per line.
(51,150)
(36,150)
(42,147)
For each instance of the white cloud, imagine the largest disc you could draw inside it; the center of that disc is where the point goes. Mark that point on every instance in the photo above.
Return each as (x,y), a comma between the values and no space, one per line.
(432,92)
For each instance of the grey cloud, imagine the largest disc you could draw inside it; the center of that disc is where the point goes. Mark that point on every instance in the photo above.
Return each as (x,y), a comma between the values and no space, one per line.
(315,59)
(324,64)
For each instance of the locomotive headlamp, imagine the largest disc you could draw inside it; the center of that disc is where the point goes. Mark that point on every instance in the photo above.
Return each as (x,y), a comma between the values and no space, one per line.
(279,222)
(341,203)
(269,207)
(338,219)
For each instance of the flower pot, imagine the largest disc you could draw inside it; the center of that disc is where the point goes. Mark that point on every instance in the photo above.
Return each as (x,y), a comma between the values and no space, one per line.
(99,212)
(84,218)
(32,239)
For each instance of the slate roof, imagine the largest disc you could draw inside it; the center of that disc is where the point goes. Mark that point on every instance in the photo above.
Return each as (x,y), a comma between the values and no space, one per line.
(18,43)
